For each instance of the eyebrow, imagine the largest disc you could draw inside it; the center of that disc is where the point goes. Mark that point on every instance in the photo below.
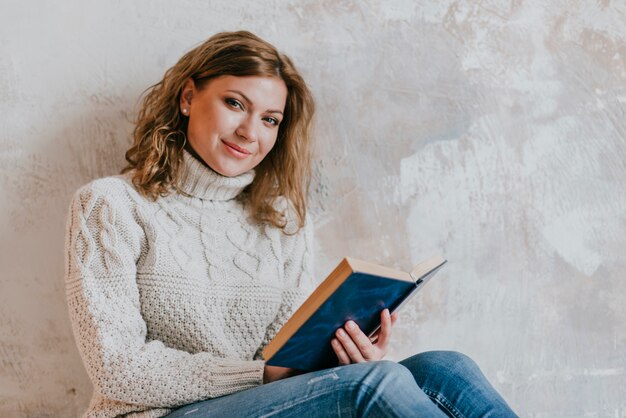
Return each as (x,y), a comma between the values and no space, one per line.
(250,101)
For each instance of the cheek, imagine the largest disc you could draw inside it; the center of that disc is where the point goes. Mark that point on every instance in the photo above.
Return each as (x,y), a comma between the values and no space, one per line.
(224,121)
(210,122)
(199,126)
(267,144)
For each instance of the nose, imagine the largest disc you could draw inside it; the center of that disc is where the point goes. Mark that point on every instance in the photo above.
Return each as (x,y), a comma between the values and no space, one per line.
(247,129)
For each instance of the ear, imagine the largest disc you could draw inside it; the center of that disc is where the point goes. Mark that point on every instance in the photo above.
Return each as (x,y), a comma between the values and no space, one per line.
(186,96)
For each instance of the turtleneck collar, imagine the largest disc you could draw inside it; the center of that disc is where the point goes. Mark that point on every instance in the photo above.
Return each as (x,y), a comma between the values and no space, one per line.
(198,180)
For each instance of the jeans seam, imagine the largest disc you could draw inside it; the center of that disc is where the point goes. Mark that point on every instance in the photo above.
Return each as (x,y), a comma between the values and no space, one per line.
(439,399)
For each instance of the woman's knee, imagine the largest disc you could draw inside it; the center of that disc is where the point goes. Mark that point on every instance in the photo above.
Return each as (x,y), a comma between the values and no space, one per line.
(452,358)
(380,375)
(440,363)
(387,368)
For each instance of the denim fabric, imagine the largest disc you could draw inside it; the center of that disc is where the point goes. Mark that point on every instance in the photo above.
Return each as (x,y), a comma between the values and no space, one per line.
(430,384)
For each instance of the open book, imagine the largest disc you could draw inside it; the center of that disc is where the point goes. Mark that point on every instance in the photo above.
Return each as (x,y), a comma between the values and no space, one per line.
(356,290)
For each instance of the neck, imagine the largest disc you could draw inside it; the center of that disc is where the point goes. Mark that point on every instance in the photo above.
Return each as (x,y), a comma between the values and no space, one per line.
(197,179)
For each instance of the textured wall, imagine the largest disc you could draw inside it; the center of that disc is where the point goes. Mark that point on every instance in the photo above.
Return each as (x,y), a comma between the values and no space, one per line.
(490,131)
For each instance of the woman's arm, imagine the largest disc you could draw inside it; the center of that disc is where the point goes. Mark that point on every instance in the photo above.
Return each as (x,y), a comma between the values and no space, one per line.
(104,242)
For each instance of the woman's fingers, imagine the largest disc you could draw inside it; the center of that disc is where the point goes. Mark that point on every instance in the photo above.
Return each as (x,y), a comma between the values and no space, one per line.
(362,341)
(342,356)
(394,318)
(384,334)
(352,347)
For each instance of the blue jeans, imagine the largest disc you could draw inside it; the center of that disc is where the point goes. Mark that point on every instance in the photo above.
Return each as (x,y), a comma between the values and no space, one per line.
(430,384)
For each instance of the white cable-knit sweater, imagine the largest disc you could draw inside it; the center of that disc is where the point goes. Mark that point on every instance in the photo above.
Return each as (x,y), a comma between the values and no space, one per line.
(172,301)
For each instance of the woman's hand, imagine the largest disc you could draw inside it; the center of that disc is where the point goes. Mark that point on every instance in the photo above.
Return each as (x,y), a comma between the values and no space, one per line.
(351,345)
(273,373)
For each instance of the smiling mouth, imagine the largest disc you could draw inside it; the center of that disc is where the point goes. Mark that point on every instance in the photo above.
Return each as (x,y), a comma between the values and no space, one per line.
(237,150)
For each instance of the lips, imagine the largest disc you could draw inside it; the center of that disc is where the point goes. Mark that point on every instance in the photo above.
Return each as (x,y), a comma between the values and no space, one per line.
(236,150)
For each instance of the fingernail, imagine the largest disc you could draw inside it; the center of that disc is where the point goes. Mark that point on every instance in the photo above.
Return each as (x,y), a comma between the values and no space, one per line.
(340,332)
(350,325)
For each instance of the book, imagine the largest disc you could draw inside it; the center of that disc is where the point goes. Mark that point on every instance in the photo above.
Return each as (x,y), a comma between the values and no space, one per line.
(355,290)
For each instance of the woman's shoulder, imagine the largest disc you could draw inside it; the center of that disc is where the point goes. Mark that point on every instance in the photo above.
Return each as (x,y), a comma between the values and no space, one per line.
(113,189)
(115,183)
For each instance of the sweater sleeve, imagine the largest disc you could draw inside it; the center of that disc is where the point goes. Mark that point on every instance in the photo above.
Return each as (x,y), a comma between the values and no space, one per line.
(104,241)
(299,277)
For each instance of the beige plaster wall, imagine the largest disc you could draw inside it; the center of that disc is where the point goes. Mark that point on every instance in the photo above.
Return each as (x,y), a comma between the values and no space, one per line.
(490,131)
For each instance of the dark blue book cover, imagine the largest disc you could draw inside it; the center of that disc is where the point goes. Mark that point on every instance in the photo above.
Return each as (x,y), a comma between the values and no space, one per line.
(361,298)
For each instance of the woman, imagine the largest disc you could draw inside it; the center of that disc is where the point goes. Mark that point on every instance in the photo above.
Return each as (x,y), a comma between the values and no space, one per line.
(180,270)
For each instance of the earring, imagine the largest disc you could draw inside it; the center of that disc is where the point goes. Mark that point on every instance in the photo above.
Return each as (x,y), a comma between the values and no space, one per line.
(185,111)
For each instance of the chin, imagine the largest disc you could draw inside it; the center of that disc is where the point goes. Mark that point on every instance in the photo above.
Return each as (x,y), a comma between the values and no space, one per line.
(229,171)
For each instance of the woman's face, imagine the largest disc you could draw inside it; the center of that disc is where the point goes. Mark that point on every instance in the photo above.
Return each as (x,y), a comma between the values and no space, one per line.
(233,121)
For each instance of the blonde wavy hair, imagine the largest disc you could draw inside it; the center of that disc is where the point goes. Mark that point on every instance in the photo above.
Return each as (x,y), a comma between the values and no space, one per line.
(160,130)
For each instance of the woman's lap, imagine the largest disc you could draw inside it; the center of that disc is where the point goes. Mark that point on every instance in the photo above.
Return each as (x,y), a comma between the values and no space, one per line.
(452,383)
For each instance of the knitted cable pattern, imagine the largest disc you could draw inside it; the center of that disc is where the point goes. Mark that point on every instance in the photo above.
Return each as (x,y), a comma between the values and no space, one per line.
(171,301)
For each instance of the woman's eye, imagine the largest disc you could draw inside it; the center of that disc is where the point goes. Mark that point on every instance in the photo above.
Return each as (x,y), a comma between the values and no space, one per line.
(272,121)
(234,103)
